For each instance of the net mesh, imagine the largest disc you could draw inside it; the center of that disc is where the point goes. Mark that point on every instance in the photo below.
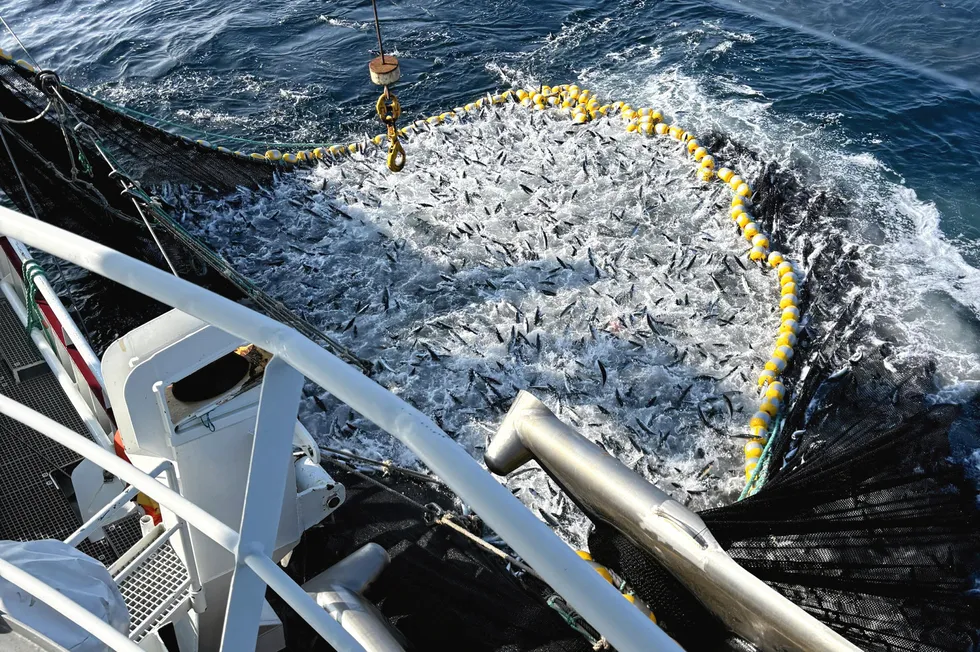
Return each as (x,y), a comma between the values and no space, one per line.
(440,591)
(866,520)
(69,183)
(83,165)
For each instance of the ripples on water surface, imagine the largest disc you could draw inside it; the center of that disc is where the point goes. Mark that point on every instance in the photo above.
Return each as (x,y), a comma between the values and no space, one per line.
(897,147)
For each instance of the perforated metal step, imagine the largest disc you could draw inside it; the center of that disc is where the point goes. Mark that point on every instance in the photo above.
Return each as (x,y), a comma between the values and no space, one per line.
(17,350)
(156,589)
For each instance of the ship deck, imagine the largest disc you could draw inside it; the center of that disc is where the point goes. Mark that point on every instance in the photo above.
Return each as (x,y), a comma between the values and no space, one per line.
(36,500)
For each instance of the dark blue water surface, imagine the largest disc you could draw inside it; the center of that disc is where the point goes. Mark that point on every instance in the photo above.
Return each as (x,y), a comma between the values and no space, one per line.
(297,70)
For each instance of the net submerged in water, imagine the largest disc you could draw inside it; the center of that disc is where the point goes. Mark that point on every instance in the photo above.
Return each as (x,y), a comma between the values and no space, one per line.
(863,519)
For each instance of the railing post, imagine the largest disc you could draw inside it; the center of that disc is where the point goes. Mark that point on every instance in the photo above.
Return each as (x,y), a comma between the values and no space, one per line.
(268,471)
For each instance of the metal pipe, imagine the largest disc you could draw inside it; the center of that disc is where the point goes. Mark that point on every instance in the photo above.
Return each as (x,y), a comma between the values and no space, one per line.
(198,600)
(68,325)
(591,596)
(67,607)
(338,590)
(657,523)
(302,603)
(203,521)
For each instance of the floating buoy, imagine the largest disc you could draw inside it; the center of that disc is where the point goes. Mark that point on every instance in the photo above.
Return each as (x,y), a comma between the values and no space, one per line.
(783,352)
(776,365)
(760,419)
(788,339)
(776,390)
(790,326)
(770,407)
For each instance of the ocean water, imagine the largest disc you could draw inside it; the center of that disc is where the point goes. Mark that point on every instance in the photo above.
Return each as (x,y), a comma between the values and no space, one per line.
(448,266)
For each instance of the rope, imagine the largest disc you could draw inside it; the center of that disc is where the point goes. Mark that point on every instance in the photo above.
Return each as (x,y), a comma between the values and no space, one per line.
(446,519)
(40,115)
(572,619)
(129,187)
(761,472)
(35,318)
(385,465)
(441,517)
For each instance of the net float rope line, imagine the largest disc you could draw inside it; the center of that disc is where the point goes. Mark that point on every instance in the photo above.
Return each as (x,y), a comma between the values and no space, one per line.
(583,107)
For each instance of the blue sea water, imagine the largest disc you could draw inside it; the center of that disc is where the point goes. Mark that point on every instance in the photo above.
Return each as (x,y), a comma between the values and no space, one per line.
(874,102)
(898,80)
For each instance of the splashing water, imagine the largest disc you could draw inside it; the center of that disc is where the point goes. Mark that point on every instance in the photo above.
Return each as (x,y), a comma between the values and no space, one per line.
(585,265)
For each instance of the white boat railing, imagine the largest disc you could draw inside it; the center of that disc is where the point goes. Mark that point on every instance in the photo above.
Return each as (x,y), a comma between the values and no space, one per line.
(72,333)
(592,597)
(88,383)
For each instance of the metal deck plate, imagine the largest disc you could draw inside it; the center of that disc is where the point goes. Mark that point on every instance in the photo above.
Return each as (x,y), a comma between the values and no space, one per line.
(31,506)
(159,581)
(123,534)
(18,350)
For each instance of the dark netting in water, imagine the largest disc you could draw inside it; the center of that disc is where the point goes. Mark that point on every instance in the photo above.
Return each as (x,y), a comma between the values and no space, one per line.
(866,520)
(69,181)
(85,168)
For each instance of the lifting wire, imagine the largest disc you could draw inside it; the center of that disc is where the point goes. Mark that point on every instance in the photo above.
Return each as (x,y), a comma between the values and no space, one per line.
(19,42)
(385,71)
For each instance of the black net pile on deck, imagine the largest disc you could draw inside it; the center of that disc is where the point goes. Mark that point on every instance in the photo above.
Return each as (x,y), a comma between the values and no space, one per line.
(440,591)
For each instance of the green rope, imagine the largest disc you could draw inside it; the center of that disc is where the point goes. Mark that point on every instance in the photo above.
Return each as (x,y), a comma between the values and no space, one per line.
(208,136)
(758,474)
(571,618)
(35,318)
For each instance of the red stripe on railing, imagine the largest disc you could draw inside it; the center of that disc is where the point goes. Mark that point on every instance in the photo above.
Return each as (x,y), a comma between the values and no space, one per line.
(57,329)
